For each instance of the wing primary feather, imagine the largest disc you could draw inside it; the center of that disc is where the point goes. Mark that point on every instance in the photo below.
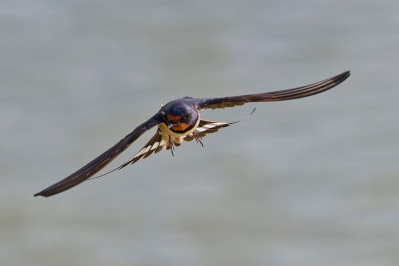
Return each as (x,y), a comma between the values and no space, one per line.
(282,95)
(100,162)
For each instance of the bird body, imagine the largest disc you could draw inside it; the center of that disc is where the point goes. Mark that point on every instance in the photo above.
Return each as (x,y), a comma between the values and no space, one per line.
(181,120)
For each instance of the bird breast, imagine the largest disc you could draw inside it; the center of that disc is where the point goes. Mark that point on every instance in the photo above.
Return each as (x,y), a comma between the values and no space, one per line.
(175,136)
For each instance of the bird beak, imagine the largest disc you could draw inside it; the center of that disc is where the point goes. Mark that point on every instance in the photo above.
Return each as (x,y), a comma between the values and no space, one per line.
(171,125)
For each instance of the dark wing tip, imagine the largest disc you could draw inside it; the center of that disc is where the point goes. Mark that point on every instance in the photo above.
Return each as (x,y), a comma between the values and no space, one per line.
(344,75)
(44,193)
(40,194)
(59,187)
(338,79)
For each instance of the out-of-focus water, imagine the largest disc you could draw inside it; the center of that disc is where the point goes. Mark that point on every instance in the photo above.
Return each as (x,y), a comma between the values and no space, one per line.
(307,182)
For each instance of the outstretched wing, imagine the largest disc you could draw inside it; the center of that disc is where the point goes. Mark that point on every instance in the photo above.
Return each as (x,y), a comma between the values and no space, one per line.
(101,161)
(282,95)
(155,145)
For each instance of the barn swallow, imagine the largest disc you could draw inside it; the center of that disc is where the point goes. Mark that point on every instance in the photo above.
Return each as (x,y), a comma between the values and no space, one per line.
(181,120)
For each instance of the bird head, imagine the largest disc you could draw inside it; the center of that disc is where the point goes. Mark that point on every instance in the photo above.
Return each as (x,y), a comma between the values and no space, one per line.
(180,117)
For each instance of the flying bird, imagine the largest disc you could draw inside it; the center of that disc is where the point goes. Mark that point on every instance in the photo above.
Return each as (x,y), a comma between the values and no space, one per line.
(181,120)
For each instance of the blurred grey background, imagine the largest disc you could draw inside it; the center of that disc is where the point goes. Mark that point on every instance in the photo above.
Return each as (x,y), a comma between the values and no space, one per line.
(307,182)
